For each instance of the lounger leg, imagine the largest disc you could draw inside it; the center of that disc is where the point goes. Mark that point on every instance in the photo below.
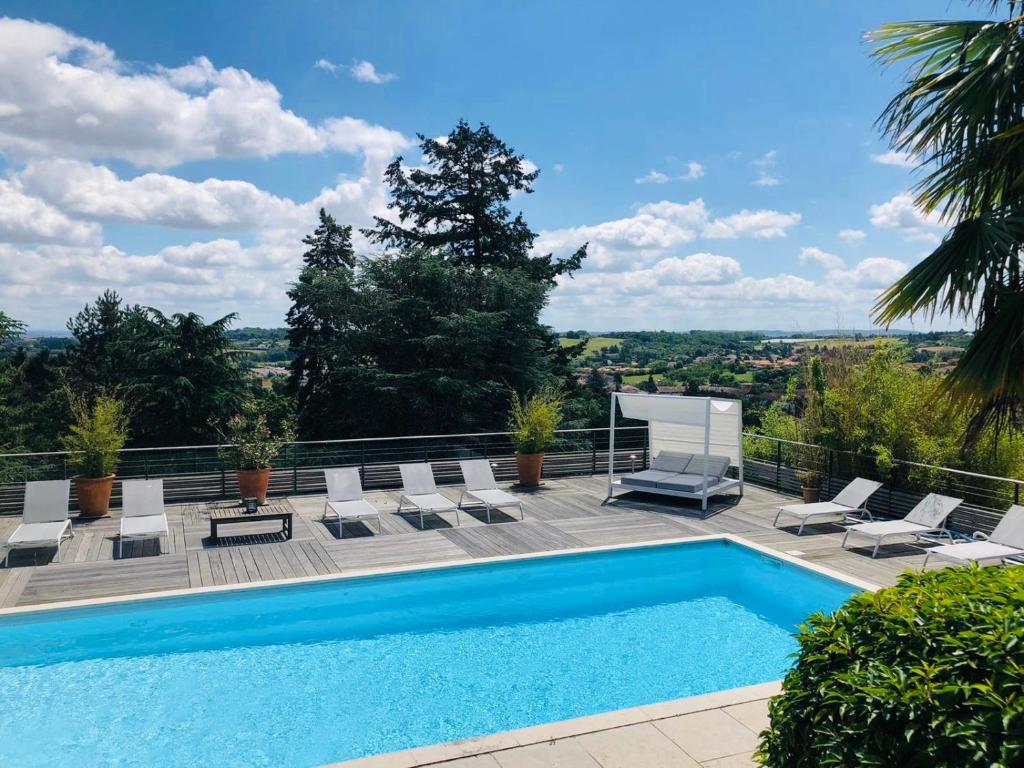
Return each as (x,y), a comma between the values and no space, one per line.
(845,537)
(7,556)
(878,543)
(379,529)
(459,522)
(775,522)
(925,563)
(423,526)
(487,507)
(522,515)
(803,522)
(58,548)
(341,528)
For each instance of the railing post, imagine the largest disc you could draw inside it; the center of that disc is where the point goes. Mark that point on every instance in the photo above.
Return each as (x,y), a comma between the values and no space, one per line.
(145,467)
(362,464)
(223,481)
(778,465)
(593,452)
(892,481)
(1016,493)
(828,471)
(295,472)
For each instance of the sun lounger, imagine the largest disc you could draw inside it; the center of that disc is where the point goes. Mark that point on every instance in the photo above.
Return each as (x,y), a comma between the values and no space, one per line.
(345,498)
(481,486)
(1007,540)
(419,491)
(45,520)
(928,517)
(852,500)
(142,512)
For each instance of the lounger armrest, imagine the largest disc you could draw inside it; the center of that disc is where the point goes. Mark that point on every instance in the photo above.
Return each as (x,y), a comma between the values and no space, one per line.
(979,536)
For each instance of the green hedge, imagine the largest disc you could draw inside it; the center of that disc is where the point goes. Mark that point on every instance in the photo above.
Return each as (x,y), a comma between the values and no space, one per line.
(927,673)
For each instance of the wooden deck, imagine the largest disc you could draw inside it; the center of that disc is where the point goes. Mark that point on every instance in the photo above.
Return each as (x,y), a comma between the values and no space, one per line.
(563,514)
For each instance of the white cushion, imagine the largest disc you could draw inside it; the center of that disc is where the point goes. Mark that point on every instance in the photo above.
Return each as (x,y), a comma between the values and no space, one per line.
(495,497)
(818,508)
(648,478)
(31,533)
(889,527)
(717,465)
(144,525)
(430,501)
(355,508)
(974,550)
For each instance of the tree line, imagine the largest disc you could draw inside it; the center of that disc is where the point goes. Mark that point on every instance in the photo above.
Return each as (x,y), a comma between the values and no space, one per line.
(427,335)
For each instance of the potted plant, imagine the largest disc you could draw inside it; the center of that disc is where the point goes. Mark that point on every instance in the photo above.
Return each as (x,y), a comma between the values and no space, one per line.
(94,441)
(810,484)
(533,422)
(251,448)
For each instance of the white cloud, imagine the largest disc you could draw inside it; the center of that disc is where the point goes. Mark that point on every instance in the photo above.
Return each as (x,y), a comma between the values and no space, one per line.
(820,258)
(26,219)
(852,236)
(652,177)
(874,273)
(764,165)
(558,168)
(902,215)
(694,171)
(900,159)
(365,72)
(762,224)
(69,96)
(326,64)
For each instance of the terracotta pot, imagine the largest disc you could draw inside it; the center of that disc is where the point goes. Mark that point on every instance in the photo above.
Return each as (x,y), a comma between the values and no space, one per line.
(811,495)
(252,483)
(94,495)
(529,466)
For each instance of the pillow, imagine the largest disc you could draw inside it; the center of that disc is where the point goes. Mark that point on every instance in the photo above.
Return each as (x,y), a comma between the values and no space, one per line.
(671,461)
(717,465)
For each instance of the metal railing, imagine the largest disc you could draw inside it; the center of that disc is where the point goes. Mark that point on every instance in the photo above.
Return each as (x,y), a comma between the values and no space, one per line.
(198,473)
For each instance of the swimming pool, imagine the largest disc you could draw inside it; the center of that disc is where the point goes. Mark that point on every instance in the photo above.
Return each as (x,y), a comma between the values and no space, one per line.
(308,674)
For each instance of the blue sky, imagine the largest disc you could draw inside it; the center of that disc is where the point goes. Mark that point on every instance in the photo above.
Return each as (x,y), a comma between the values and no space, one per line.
(712,154)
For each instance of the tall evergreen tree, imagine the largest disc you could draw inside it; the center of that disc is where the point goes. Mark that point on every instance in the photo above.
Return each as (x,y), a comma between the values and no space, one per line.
(102,358)
(186,378)
(10,329)
(456,206)
(320,299)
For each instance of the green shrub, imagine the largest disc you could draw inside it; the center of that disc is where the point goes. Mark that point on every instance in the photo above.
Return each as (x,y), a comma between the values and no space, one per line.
(533,421)
(251,442)
(96,436)
(927,673)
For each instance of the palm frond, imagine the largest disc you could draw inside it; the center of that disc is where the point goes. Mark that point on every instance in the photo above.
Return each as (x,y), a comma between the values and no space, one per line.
(974,253)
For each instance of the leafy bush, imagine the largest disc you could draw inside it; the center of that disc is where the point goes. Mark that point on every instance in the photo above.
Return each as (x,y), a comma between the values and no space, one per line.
(927,673)
(533,420)
(96,436)
(252,444)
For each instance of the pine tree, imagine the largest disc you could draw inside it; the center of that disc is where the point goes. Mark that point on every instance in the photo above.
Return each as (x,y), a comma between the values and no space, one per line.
(456,206)
(315,321)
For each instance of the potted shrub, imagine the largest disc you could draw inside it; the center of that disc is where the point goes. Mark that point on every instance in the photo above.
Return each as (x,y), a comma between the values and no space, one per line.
(251,448)
(810,484)
(94,441)
(533,422)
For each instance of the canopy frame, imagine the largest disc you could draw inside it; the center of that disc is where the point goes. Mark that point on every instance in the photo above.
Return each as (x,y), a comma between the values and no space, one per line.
(664,404)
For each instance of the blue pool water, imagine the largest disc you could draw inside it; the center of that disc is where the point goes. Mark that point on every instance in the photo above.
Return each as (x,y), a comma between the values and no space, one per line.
(304,675)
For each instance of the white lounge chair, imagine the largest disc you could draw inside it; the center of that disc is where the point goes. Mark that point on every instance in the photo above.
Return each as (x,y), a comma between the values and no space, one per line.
(345,498)
(481,485)
(142,512)
(852,500)
(420,492)
(928,517)
(1007,540)
(45,520)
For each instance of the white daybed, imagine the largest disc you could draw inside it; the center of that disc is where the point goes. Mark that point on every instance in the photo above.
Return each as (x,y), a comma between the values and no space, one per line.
(692,441)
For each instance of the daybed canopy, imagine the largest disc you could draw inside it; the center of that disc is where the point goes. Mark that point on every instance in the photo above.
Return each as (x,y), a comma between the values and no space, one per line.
(704,427)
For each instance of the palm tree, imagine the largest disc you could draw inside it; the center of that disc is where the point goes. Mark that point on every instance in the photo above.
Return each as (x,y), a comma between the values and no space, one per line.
(961,115)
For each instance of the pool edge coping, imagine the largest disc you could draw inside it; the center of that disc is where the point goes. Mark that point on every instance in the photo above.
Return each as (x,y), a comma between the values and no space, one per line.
(432,754)
(438,565)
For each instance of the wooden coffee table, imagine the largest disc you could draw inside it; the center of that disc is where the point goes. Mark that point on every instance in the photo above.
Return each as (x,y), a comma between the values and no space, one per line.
(229,515)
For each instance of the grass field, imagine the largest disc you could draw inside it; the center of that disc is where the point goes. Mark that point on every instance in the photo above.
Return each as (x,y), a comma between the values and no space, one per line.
(638,378)
(594,343)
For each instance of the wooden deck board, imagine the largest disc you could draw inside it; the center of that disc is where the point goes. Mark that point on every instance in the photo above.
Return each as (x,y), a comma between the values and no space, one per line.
(563,514)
